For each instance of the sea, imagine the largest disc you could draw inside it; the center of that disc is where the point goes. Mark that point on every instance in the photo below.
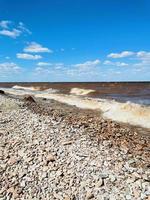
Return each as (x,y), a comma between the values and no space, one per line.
(127,102)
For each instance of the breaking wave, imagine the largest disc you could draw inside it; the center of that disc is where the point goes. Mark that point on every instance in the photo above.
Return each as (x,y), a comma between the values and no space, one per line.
(80,92)
(128,112)
(51,91)
(18,87)
(19,90)
(131,113)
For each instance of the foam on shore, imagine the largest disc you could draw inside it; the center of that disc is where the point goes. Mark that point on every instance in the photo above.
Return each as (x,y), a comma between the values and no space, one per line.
(131,113)
(128,112)
(80,92)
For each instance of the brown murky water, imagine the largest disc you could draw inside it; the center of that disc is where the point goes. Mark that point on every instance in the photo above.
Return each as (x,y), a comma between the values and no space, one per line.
(137,92)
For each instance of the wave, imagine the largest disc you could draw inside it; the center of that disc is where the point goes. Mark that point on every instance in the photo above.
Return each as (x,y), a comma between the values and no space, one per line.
(80,92)
(18,87)
(51,91)
(131,113)
(19,90)
(134,114)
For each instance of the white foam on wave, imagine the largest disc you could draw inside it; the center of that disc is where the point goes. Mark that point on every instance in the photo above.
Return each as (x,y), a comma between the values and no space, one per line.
(131,113)
(128,112)
(18,87)
(27,91)
(51,91)
(80,92)
(19,92)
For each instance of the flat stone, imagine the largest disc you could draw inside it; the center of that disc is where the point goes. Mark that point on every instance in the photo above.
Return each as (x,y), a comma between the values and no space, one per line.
(67,142)
(89,195)
(99,183)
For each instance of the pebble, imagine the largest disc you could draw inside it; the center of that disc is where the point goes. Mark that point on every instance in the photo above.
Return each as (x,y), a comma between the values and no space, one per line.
(89,195)
(56,156)
(99,183)
(112,178)
(128,197)
(50,158)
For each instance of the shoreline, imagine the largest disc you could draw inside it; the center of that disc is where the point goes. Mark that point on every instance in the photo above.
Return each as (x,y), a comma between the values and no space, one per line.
(79,144)
(123,112)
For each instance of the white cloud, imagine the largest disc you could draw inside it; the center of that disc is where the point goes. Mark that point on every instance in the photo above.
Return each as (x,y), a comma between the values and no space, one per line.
(118,64)
(107,62)
(121,55)
(88,64)
(49,68)
(40,69)
(28,56)
(88,68)
(143,55)
(4,24)
(9,29)
(121,64)
(22,27)
(59,65)
(34,47)
(13,34)
(9,67)
(44,64)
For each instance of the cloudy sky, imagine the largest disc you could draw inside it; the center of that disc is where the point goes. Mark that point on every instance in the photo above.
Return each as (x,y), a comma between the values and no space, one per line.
(74,40)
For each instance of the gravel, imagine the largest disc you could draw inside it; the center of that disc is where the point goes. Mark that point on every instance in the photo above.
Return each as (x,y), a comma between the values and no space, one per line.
(50,151)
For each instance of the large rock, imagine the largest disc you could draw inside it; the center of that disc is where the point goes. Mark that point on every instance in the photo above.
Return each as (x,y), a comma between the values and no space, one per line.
(29,99)
(2,92)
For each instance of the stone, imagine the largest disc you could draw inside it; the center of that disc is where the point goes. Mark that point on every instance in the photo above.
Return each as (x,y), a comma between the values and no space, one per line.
(67,198)
(89,195)
(2,92)
(112,178)
(99,183)
(50,158)
(128,197)
(23,184)
(13,191)
(13,160)
(29,99)
(44,174)
(45,168)
(104,175)
(67,142)
(136,193)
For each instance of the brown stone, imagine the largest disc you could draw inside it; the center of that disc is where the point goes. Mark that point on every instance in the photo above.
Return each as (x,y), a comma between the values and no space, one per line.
(29,99)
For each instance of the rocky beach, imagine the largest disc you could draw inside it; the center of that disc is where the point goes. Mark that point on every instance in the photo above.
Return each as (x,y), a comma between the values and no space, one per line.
(53,151)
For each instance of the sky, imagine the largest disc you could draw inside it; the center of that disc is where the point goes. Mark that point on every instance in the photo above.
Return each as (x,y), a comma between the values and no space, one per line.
(74,40)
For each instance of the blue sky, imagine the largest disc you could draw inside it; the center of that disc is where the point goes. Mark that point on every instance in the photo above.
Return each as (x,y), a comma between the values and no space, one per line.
(80,40)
